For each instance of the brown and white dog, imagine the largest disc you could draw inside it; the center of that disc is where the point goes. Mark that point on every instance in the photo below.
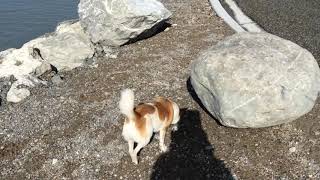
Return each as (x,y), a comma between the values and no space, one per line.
(145,119)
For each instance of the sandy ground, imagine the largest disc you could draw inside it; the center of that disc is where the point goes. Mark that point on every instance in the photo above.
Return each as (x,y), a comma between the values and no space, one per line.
(73,130)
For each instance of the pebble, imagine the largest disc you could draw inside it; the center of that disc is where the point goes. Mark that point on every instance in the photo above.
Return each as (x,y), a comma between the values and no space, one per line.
(292,149)
(56,79)
(54,161)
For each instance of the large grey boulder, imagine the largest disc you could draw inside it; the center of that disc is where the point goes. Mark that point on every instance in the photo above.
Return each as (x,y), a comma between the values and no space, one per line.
(256,80)
(115,22)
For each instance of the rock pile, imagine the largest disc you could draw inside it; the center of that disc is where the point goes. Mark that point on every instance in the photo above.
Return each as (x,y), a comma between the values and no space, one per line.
(103,24)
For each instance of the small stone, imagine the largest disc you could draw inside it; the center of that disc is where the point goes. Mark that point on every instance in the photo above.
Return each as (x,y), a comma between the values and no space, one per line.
(54,161)
(56,79)
(16,95)
(292,149)
(43,68)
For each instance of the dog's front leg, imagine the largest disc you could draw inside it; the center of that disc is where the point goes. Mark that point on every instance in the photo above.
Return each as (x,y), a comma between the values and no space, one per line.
(163,147)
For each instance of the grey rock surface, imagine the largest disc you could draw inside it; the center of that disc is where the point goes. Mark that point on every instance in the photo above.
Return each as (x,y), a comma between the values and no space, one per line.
(16,95)
(67,48)
(256,80)
(115,22)
(56,79)
(19,89)
(45,67)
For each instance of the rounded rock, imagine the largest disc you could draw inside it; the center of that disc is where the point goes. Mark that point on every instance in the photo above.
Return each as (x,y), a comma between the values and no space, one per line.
(252,80)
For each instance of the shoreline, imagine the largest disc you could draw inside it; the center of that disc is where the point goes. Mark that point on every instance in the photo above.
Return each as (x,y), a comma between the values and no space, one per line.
(72,130)
(22,22)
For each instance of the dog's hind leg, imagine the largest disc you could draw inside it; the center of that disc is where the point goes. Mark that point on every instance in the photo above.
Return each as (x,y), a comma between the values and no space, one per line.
(175,123)
(163,147)
(136,151)
(131,146)
(176,116)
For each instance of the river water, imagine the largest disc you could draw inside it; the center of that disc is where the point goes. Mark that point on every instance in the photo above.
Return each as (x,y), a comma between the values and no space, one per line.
(23,20)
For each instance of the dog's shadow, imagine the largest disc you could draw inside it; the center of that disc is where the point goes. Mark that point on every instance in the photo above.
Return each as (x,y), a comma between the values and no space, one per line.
(190,155)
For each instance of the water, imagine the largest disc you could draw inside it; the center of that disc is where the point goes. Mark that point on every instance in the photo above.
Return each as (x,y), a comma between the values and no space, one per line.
(23,20)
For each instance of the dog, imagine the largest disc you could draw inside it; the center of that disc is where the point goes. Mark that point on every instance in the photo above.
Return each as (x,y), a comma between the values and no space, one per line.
(143,120)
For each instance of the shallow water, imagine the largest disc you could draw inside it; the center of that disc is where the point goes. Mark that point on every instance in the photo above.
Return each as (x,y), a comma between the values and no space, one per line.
(23,20)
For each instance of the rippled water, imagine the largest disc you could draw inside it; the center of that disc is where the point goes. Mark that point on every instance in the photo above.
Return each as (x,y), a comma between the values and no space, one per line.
(23,20)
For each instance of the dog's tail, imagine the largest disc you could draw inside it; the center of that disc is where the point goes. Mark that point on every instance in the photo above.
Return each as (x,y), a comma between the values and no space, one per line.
(126,103)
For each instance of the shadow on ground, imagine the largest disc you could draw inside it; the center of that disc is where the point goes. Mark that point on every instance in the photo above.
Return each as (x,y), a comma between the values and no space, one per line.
(151,32)
(190,155)
(195,97)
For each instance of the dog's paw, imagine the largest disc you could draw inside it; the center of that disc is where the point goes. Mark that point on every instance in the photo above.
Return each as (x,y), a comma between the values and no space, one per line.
(134,159)
(163,148)
(174,128)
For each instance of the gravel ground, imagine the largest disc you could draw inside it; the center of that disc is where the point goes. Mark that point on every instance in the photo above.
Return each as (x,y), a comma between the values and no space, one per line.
(73,130)
(295,20)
